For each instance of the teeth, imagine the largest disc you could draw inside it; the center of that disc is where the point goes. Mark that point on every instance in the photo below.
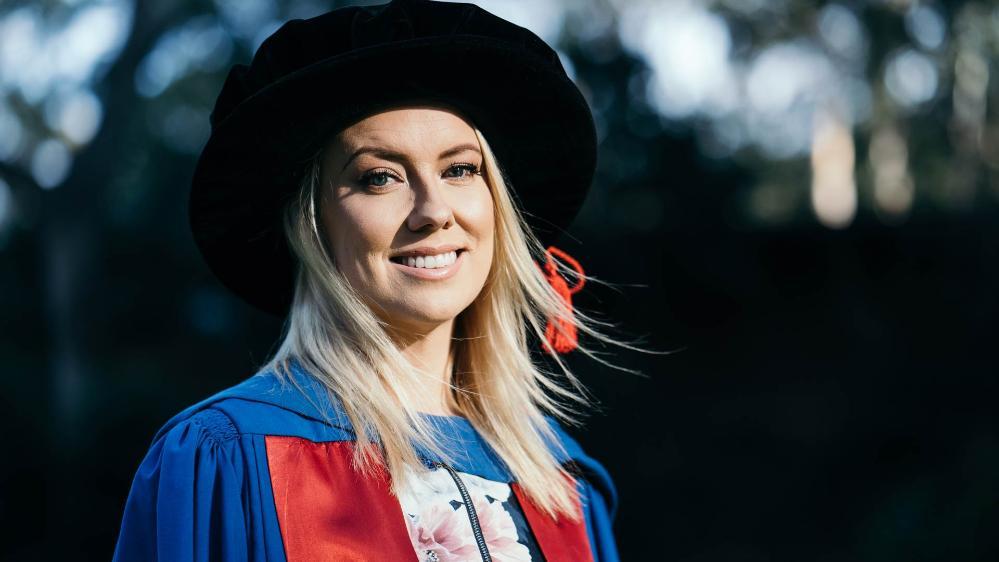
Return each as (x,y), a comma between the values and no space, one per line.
(432,262)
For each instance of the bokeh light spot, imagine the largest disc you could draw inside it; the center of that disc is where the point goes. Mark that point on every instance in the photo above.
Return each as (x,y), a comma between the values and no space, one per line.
(50,164)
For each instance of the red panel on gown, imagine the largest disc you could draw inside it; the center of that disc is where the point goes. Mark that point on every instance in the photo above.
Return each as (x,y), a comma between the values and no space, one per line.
(560,541)
(327,510)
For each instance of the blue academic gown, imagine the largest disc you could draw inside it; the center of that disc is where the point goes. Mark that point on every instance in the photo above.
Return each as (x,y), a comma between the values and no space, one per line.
(256,473)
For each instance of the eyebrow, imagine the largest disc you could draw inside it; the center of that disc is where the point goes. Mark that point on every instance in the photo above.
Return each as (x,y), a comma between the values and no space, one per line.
(400,157)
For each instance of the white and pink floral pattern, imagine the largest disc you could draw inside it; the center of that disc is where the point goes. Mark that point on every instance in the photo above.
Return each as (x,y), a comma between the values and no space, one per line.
(438,521)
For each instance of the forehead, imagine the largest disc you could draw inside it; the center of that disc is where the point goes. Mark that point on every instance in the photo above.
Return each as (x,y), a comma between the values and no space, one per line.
(409,128)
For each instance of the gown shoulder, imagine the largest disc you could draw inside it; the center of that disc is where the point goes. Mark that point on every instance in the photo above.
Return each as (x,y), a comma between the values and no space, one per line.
(201,491)
(187,499)
(598,495)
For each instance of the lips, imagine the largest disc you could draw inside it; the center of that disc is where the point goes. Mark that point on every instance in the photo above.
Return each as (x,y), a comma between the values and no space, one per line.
(427,251)
(429,274)
(402,258)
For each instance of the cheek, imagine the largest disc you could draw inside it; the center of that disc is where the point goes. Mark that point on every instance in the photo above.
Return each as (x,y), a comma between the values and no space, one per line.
(356,229)
(478,215)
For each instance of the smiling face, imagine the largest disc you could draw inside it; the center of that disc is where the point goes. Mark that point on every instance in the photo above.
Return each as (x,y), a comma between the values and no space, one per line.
(408,215)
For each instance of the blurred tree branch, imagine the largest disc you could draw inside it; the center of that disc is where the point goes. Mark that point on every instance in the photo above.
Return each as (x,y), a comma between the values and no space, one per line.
(16,177)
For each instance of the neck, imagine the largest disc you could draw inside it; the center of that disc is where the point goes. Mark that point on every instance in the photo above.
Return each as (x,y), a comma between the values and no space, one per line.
(430,351)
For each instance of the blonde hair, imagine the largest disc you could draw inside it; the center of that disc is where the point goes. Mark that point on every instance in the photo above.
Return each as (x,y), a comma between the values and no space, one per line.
(496,385)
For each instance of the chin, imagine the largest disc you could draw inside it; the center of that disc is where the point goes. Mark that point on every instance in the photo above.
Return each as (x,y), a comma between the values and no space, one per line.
(424,307)
(426,316)
(433,316)
(417,323)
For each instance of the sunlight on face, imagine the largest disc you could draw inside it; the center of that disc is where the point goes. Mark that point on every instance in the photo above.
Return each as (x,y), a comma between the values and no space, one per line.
(399,181)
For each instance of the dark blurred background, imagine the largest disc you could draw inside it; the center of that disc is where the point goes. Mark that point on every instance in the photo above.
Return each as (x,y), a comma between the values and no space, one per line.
(799,196)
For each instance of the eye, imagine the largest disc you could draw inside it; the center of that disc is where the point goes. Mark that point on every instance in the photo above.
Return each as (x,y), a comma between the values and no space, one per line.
(469,169)
(376,178)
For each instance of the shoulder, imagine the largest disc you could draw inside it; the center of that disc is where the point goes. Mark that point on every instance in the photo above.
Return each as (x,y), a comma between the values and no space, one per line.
(206,415)
(593,473)
(190,443)
(198,465)
(211,425)
(263,404)
(568,449)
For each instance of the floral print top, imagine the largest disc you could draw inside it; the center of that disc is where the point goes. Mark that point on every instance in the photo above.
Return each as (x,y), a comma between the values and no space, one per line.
(439,524)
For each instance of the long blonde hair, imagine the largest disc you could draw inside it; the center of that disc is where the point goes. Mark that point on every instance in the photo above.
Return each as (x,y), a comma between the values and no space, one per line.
(496,384)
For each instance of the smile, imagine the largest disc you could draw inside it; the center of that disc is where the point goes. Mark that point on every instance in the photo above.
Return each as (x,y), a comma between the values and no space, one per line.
(435,268)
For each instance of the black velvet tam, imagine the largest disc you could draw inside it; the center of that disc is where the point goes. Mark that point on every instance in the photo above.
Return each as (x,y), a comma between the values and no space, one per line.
(314,77)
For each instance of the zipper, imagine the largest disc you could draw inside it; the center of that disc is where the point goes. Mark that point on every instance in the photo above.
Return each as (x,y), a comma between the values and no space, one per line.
(473,517)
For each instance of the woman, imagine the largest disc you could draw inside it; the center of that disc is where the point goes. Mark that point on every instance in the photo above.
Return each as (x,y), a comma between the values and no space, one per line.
(348,184)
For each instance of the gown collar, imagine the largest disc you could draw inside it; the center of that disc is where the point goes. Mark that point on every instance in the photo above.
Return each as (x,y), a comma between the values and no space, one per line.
(309,398)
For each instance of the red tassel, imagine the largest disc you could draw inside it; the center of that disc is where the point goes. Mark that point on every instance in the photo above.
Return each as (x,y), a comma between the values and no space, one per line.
(565,340)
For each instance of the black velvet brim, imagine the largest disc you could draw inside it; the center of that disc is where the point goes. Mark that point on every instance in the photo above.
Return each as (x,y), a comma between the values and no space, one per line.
(537,123)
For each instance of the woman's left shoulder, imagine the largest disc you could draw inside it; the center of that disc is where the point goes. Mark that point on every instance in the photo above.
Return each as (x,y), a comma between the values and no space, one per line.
(593,471)
(598,494)
(573,449)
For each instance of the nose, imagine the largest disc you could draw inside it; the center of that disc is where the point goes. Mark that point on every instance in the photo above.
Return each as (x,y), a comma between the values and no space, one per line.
(431,210)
